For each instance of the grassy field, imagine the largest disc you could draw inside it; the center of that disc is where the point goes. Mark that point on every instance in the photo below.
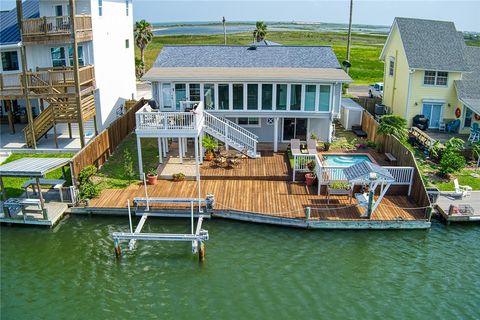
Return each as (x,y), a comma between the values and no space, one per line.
(364,56)
(13,186)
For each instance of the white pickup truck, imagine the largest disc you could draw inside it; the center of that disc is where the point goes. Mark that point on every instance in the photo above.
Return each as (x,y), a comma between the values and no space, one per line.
(375,90)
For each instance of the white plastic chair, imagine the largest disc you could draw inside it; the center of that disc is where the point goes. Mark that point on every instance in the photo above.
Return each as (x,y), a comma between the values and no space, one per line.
(463,190)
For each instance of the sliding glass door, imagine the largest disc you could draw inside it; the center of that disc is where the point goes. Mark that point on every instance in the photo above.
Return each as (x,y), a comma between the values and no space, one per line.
(294,128)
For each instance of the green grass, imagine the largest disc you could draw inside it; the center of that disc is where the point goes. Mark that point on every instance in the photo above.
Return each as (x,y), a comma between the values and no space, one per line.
(364,56)
(464,179)
(13,186)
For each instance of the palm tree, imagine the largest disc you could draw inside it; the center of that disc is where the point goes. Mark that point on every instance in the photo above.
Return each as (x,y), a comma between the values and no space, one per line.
(393,125)
(260,32)
(143,36)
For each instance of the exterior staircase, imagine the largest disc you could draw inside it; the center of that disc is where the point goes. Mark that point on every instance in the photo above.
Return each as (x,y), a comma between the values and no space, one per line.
(231,134)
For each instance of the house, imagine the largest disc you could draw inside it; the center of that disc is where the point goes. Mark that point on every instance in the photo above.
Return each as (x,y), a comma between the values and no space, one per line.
(42,84)
(430,71)
(275,92)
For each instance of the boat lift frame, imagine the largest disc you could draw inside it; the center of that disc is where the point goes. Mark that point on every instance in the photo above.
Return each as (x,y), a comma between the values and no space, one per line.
(197,236)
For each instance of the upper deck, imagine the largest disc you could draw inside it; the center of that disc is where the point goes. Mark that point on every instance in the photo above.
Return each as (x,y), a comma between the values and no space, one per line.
(58,29)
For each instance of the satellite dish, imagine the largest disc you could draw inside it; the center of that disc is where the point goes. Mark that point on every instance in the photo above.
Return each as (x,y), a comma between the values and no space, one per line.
(346,64)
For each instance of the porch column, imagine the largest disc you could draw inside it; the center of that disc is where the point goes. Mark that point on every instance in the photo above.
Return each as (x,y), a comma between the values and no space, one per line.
(140,162)
(160,159)
(180,151)
(9,109)
(275,134)
(184,147)
(164,147)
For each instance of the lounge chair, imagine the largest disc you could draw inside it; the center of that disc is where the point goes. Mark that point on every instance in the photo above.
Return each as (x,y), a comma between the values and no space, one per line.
(453,126)
(295,146)
(358,131)
(312,146)
(464,191)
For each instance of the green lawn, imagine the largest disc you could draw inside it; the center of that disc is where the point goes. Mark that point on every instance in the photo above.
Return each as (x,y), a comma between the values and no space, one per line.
(364,56)
(464,179)
(13,186)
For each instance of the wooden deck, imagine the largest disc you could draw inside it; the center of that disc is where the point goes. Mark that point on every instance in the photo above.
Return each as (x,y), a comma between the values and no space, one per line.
(55,211)
(443,205)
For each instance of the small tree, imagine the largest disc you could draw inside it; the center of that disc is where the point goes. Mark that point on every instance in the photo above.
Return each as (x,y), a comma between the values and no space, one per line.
(128,166)
(260,31)
(143,36)
(87,189)
(451,162)
(393,125)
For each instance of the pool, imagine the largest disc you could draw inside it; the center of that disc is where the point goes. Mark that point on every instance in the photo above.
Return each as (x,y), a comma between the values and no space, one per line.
(345,160)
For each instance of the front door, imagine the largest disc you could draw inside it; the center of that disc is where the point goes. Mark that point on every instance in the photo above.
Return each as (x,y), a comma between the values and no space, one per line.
(434,113)
(294,128)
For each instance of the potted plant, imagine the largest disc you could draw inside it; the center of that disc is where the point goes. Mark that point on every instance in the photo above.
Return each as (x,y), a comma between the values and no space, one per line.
(327,146)
(178,176)
(310,176)
(152,176)
(209,144)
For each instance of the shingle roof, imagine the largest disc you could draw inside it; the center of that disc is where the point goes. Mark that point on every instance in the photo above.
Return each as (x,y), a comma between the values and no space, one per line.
(468,89)
(9,32)
(432,45)
(265,43)
(244,57)
(360,172)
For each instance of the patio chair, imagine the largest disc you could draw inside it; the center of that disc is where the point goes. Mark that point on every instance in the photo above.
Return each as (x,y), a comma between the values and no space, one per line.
(453,126)
(312,146)
(474,133)
(295,146)
(464,191)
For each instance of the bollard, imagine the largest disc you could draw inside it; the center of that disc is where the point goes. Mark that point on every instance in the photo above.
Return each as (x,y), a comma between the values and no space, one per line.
(201,252)
(307,212)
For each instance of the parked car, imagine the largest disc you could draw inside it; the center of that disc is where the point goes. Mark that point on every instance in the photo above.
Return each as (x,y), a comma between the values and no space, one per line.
(375,90)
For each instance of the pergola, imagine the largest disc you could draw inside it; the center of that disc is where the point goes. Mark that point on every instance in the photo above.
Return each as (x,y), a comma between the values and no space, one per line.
(34,168)
(372,174)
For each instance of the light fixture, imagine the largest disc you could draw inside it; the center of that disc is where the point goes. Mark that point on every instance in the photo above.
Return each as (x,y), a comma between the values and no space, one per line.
(416,104)
(449,105)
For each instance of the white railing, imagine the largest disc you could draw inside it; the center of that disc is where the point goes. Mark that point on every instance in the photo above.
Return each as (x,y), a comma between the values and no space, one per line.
(10,81)
(331,173)
(230,133)
(402,175)
(150,119)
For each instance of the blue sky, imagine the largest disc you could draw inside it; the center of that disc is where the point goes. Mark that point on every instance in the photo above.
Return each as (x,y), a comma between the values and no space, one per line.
(465,14)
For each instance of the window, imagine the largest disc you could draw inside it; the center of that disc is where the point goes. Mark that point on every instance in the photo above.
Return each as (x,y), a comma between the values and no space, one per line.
(237,96)
(81,61)
(324,98)
(267,96)
(58,10)
(223,97)
(310,97)
(127,43)
(253,122)
(167,95)
(100,7)
(126,7)
(435,78)
(10,61)
(194,91)
(252,96)
(468,117)
(58,57)
(296,97)
(180,95)
(209,96)
(281,97)
(391,67)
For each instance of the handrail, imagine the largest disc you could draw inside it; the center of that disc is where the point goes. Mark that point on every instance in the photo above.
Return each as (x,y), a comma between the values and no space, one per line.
(55,25)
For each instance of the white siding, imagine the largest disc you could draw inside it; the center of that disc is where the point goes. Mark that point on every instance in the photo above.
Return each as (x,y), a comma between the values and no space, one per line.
(47,8)
(40,56)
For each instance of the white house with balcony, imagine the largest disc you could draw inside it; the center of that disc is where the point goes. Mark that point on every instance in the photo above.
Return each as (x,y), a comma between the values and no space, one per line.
(51,33)
(260,93)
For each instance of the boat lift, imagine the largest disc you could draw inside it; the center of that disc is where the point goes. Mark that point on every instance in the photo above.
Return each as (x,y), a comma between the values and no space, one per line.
(197,236)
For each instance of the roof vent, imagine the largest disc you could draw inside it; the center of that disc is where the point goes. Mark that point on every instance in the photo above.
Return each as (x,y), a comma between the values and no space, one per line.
(252,48)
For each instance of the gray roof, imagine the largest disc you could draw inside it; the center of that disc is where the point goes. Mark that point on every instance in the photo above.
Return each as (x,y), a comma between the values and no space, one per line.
(244,57)
(32,167)
(432,45)
(350,104)
(360,172)
(265,43)
(468,89)
(9,31)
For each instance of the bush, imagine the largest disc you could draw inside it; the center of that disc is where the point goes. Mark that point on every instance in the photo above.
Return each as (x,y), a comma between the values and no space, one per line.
(87,189)
(451,162)
(393,125)
(128,166)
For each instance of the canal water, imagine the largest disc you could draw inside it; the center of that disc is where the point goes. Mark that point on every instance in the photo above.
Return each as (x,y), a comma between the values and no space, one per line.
(251,272)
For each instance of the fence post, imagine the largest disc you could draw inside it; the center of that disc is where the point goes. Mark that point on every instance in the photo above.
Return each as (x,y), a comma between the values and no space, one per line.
(412,171)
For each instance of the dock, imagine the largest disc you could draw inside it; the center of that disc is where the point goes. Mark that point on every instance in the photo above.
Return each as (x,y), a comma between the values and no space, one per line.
(54,213)
(473,201)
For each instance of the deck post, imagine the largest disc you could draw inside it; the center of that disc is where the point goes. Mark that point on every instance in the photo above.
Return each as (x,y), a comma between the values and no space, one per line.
(180,151)
(275,134)
(69,130)
(294,164)
(42,202)
(160,159)
(164,147)
(197,173)
(9,108)
(201,251)
(139,152)
(118,250)
(55,138)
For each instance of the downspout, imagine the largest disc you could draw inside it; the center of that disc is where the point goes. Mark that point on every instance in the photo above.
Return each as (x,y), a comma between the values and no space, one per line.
(394,79)
(410,72)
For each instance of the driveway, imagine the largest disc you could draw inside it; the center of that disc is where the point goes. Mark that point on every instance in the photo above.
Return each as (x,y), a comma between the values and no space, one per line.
(358,91)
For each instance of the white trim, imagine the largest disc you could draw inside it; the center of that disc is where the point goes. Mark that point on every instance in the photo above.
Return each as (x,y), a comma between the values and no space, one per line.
(289,95)
(259,125)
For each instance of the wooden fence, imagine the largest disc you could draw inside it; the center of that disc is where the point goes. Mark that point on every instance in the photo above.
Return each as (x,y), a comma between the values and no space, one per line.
(99,149)
(404,157)
(368,103)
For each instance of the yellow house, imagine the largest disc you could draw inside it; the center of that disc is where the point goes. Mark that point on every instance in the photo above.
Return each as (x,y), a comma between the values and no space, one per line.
(430,71)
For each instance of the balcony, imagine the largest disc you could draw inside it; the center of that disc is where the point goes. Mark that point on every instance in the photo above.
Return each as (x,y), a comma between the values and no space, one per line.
(56,29)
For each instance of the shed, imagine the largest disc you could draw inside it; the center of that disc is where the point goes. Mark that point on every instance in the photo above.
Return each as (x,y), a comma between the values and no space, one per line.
(350,113)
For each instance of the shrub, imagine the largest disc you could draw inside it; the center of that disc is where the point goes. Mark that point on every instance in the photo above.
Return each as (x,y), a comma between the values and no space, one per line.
(128,165)
(371,144)
(87,189)
(451,162)
(152,172)
(209,143)
(454,144)
(178,176)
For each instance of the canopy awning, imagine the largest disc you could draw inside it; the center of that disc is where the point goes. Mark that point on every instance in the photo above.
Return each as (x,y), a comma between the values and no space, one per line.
(362,173)
(32,167)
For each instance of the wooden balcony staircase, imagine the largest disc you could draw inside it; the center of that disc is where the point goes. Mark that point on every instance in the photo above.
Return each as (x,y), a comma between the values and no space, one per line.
(59,110)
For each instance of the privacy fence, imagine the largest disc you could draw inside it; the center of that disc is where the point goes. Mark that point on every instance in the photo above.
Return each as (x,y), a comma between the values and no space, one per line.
(405,158)
(99,149)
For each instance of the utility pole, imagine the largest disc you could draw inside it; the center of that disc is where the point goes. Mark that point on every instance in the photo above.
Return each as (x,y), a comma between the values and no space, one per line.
(224,30)
(349,35)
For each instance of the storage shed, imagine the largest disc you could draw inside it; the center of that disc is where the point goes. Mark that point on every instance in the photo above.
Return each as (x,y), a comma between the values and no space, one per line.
(350,113)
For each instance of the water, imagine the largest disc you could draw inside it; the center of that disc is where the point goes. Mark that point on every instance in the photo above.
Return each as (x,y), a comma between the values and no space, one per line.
(212,28)
(251,272)
(344,160)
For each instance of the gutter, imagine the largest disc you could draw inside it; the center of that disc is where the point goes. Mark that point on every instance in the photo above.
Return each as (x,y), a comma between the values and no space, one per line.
(10,46)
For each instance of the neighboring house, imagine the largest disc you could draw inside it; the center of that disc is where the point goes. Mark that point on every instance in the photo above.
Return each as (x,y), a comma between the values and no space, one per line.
(58,90)
(429,70)
(276,92)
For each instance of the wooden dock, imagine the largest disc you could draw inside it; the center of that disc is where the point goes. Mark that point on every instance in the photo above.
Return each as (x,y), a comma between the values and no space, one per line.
(443,205)
(55,211)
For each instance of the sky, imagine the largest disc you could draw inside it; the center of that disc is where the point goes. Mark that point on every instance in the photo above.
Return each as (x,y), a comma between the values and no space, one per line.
(465,14)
